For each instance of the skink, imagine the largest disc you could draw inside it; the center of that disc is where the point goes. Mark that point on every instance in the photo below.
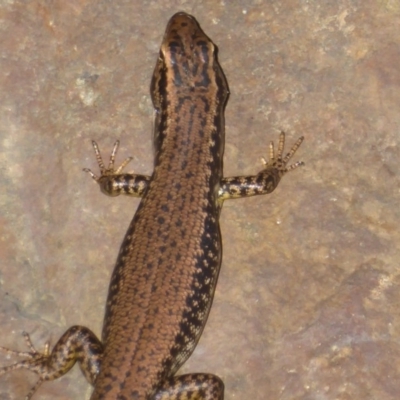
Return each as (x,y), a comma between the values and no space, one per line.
(165,276)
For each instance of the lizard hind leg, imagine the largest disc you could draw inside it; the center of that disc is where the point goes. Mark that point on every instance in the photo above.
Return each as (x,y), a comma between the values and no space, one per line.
(191,387)
(76,344)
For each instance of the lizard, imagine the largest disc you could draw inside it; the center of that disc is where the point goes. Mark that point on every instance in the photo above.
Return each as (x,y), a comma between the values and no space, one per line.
(163,283)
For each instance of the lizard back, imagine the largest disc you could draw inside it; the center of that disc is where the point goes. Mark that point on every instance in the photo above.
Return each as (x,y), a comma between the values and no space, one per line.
(163,283)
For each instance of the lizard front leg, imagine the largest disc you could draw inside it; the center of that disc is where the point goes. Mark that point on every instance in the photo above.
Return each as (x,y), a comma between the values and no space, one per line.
(112,182)
(267,179)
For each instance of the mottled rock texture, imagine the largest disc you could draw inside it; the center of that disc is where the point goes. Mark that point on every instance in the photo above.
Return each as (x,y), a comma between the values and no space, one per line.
(307,302)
